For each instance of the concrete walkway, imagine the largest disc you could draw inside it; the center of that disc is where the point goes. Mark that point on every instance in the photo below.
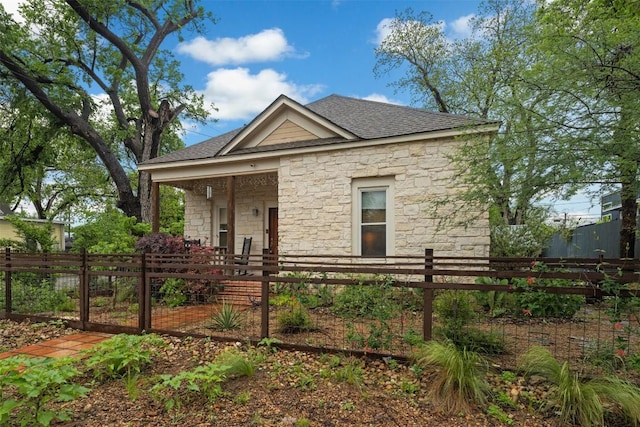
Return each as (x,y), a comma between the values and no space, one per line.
(67,345)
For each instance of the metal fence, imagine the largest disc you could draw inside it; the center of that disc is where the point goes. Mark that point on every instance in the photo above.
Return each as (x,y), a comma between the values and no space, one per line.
(581,309)
(589,240)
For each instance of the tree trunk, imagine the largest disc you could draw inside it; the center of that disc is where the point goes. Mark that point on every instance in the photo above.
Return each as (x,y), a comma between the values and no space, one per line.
(628,229)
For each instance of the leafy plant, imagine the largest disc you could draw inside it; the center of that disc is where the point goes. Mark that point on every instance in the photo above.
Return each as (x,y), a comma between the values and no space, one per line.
(227,318)
(487,343)
(497,303)
(172,291)
(455,309)
(204,380)
(33,294)
(351,372)
(496,412)
(269,342)
(122,355)
(582,401)
(28,386)
(455,375)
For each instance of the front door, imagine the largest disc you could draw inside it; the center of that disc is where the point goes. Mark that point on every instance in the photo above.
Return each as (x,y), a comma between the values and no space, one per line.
(273,231)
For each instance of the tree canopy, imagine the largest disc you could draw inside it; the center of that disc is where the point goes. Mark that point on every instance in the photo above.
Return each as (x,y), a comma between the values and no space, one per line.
(98,70)
(592,70)
(561,77)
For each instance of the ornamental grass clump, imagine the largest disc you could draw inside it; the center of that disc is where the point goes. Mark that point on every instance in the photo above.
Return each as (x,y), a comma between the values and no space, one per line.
(579,401)
(456,376)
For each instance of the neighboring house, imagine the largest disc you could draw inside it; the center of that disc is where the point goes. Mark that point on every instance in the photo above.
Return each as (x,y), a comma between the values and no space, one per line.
(339,176)
(611,206)
(7,230)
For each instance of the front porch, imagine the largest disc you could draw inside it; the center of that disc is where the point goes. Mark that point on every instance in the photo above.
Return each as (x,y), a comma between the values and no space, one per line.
(222,211)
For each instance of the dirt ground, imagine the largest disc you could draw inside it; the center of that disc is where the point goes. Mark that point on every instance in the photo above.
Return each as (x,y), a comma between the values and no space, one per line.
(289,388)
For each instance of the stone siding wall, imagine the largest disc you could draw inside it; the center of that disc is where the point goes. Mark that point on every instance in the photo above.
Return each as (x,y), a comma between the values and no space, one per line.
(314,191)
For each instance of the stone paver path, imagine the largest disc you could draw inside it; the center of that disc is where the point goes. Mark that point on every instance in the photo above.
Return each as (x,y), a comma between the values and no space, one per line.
(67,345)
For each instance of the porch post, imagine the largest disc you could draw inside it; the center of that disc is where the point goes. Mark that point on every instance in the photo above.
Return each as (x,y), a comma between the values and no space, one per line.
(231,216)
(155,207)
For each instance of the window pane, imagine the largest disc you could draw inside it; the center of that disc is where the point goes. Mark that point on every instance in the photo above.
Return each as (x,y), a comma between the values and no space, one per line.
(222,230)
(374,240)
(374,206)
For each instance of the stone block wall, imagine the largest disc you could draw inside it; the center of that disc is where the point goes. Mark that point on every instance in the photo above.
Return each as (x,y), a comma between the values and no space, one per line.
(315,200)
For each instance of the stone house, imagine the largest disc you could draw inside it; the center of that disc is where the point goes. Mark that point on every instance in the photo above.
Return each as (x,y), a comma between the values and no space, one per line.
(339,176)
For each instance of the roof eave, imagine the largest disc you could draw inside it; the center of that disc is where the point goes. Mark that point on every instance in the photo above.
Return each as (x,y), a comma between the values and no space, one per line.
(487,128)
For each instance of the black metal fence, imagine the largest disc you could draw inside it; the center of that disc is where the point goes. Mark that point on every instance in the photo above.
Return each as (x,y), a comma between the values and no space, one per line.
(580,308)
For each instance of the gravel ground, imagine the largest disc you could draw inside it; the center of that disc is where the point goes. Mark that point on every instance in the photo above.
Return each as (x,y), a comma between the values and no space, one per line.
(289,388)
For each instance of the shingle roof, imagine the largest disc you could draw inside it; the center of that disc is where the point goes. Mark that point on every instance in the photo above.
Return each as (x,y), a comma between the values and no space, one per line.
(365,119)
(371,119)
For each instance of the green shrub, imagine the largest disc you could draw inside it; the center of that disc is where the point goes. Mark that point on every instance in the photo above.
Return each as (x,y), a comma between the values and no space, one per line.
(538,303)
(376,336)
(374,301)
(310,295)
(29,385)
(204,380)
(473,339)
(32,294)
(294,319)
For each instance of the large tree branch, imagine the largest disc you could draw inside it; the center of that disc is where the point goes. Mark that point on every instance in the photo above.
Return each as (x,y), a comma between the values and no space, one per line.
(77,125)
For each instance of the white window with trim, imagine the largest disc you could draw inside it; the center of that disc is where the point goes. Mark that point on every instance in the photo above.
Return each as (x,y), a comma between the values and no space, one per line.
(373,218)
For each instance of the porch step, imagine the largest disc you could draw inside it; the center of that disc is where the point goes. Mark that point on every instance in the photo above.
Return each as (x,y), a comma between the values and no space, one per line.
(241,293)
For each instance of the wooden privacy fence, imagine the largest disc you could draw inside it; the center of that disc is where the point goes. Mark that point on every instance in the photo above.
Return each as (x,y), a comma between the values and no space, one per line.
(381,306)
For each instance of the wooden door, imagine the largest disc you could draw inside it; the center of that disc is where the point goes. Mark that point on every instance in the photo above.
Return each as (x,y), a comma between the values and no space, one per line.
(273,231)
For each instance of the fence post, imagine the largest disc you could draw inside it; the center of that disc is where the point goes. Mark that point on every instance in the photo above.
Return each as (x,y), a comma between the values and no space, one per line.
(264,295)
(7,281)
(427,320)
(83,291)
(144,303)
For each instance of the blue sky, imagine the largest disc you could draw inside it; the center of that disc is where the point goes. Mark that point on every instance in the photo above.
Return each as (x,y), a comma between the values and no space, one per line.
(305,49)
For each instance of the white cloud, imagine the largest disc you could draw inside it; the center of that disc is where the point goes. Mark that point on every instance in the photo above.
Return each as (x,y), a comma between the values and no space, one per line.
(267,45)
(381,98)
(383,30)
(461,27)
(238,94)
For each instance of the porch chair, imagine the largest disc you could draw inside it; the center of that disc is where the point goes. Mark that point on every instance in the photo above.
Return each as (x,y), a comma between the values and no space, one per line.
(244,258)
